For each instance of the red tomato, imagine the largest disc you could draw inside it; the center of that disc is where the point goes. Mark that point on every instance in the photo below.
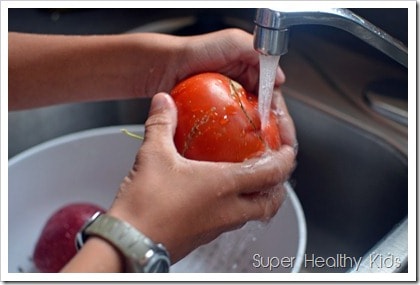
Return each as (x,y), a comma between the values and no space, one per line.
(219,121)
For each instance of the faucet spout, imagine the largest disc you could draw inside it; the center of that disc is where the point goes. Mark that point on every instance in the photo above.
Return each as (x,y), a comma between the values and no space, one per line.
(272,27)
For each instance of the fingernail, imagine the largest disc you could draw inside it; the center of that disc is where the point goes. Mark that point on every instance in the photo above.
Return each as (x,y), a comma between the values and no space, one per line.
(296,148)
(159,102)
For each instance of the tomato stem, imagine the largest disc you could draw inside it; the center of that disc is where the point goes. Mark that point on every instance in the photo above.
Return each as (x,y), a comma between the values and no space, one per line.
(133,135)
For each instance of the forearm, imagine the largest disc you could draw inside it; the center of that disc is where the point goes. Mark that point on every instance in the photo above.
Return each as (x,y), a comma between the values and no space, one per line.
(96,255)
(53,69)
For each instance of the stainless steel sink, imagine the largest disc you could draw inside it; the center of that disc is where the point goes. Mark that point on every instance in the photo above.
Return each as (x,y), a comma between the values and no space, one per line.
(352,186)
(352,172)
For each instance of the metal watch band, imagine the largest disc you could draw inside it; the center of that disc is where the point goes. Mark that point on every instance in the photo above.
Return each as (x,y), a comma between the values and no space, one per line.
(141,253)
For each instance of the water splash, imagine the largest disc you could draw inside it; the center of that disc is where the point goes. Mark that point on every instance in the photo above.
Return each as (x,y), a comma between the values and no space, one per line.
(268,66)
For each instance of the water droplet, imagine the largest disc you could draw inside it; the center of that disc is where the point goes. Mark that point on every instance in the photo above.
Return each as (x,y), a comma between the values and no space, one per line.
(223,121)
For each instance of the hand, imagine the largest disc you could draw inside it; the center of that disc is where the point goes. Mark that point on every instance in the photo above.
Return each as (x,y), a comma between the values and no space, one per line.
(185,203)
(284,120)
(54,69)
(229,52)
(174,58)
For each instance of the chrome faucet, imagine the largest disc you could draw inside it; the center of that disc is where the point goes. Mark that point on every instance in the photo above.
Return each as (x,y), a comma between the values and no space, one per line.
(272,28)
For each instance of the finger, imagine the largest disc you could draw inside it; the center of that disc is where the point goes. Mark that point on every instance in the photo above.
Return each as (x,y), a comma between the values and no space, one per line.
(284,120)
(279,102)
(260,174)
(280,77)
(258,206)
(161,123)
(264,206)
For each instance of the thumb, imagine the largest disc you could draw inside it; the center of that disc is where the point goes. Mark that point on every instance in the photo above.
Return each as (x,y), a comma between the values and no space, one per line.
(161,123)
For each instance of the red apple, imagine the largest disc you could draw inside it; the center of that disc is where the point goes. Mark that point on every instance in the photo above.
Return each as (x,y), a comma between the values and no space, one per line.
(56,245)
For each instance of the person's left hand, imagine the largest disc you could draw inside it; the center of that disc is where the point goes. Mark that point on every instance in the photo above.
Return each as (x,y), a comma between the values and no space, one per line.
(229,52)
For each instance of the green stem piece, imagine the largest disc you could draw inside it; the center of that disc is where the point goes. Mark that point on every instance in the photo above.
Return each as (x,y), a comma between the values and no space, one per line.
(133,135)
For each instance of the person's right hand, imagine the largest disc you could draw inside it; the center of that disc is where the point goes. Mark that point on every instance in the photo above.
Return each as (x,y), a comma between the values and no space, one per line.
(185,203)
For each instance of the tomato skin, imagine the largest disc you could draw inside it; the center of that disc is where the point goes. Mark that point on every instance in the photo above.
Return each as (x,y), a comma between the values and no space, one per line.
(219,121)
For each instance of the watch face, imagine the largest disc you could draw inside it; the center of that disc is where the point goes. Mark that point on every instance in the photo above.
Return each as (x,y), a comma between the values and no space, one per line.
(159,263)
(160,266)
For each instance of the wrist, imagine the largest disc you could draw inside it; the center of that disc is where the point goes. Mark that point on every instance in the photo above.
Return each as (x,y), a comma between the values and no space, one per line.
(140,253)
(157,58)
(97,255)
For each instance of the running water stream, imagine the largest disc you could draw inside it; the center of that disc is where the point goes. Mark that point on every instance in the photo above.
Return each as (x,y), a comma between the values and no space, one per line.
(268,66)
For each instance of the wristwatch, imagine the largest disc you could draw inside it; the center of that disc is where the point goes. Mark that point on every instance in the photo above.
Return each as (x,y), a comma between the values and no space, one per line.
(141,253)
